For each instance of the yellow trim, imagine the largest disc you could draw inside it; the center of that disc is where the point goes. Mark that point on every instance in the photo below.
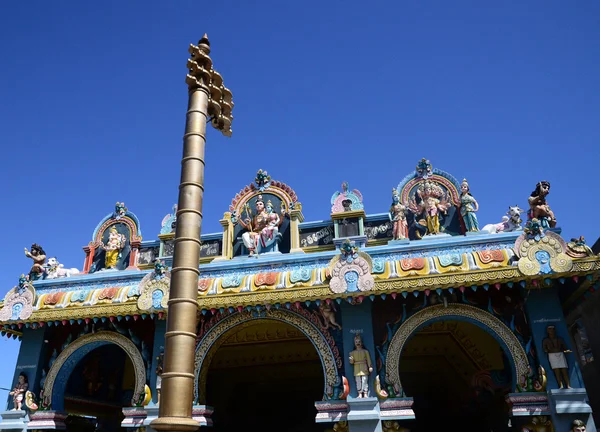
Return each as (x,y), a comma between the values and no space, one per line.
(314,249)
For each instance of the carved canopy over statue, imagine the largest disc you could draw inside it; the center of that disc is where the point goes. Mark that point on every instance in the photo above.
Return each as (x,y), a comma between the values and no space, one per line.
(434,201)
(115,243)
(260,215)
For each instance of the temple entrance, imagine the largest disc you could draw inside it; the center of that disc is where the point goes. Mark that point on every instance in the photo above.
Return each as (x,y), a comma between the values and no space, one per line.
(265,376)
(100,385)
(458,375)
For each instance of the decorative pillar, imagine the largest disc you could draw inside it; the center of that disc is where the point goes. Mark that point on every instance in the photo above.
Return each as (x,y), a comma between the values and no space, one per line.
(296,217)
(228,228)
(209,100)
(544,309)
(363,414)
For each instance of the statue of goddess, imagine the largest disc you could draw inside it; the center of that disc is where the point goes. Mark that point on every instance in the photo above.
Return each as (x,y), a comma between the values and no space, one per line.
(433,201)
(468,207)
(398,217)
(263,227)
(113,247)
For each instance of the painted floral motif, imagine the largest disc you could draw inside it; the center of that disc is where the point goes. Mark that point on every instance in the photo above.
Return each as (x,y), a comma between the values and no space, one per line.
(108,293)
(265,279)
(450,260)
(53,298)
(204,284)
(412,264)
(231,281)
(489,256)
(300,275)
(79,295)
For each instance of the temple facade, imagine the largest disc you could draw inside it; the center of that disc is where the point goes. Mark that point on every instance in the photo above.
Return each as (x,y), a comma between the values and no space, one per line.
(416,318)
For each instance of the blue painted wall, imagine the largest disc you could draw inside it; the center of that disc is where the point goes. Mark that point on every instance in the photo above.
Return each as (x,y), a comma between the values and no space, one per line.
(31,354)
(358,318)
(544,309)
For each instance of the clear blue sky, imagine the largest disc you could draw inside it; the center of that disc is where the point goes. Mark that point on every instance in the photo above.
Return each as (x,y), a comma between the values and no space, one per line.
(93,107)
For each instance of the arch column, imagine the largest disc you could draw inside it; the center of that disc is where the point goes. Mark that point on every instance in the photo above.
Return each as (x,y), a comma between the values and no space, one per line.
(215,337)
(509,342)
(59,373)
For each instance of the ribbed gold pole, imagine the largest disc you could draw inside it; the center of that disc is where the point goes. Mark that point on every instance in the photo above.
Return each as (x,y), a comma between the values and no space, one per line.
(177,390)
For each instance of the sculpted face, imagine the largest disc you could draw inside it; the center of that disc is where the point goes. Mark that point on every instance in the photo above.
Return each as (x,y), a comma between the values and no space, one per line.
(260,206)
(464,188)
(551,331)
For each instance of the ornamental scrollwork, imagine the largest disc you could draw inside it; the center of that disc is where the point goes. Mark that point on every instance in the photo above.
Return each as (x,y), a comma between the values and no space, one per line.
(351,270)
(213,338)
(542,252)
(106,337)
(412,324)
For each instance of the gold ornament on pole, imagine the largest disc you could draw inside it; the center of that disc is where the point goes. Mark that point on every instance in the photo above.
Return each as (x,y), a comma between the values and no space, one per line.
(210,101)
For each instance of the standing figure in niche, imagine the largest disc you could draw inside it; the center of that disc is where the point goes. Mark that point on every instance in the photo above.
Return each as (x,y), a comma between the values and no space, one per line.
(539,208)
(468,207)
(361,360)
(159,372)
(556,348)
(398,217)
(38,256)
(113,247)
(18,393)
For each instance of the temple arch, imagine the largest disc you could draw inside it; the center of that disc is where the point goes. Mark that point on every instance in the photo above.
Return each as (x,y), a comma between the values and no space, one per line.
(507,340)
(59,373)
(217,335)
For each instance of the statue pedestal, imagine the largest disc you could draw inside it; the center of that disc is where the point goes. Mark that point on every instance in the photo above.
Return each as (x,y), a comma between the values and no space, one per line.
(52,420)
(568,405)
(397,409)
(570,401)
(363,415)
(14,421)
(528,404)
(331,411)
(202,413)
(135,417)
(435,236)
(398,242)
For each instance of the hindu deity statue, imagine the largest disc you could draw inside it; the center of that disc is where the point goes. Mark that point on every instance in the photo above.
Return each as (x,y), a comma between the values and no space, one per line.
(468,207)
(539,208)
(433,201)
(120,210)
(38,256)
(556,348)
(18,393)
(363,367)
(263,227)
(113,247)
(398,217)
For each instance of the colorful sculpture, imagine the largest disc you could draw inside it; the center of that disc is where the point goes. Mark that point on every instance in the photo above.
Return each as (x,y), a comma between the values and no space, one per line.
(113,247)
(539,208)
(432,201)
(398,217)
(539,424)
(328,312)
(38,256)
(55,270)
(468,207)
(120,210)
(263,227)
(577,248)
(18,393)
(347,200)
(361,360)
(510,222)
(556,348)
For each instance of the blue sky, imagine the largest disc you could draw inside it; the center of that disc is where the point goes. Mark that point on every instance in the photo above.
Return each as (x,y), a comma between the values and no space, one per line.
(93,106)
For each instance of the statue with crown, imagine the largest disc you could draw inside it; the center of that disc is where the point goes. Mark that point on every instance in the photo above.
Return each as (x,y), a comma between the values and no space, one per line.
(262,227)
(432,201)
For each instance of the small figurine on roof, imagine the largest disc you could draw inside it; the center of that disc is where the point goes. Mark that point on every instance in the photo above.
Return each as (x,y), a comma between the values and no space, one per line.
(38,256)
(538,206)
(120,210)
